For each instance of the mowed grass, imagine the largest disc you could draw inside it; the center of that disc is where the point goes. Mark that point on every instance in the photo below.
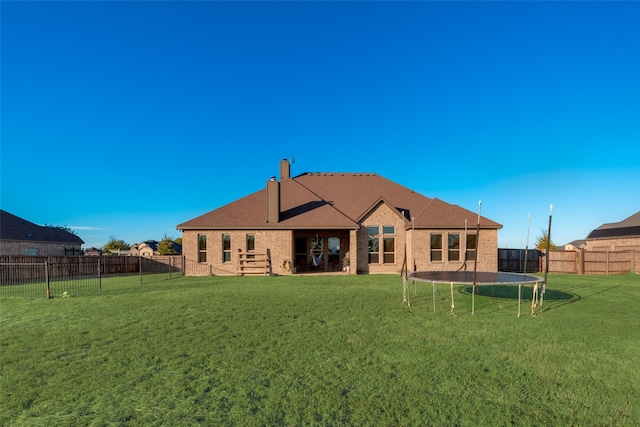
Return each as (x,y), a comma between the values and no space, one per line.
(322,350)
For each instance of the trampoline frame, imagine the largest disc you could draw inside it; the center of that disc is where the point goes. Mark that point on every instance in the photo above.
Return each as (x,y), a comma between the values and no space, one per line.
(474,279)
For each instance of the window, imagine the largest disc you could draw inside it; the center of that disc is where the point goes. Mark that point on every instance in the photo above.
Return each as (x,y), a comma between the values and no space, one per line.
(31,251)
(389,244)
(454,247)
(226,248)
(251,245)
(374,244)
(334,251)
(389,250)
(471,247)
(436,247)
(202,248)
(317,251)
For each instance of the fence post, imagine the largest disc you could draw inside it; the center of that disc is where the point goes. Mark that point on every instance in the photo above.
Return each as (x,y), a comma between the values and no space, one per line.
(46,278)
(140,267)
(607,263)
(170,264)
(99,276)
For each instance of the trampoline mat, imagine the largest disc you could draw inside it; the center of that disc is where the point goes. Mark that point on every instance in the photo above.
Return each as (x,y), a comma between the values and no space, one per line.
(466,277)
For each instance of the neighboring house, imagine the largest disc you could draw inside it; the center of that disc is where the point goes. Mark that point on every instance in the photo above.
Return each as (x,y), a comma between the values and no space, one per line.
(616,236)
(93,251)
(21,237)
(575,245)
(315,220)
(150,248)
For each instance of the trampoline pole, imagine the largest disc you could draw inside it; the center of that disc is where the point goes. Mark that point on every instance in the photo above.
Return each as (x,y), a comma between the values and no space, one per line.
(433,291)
(465,245)
(526,248)
(453,304)
(475,263)
(519,295)
(546,270)
(473,301)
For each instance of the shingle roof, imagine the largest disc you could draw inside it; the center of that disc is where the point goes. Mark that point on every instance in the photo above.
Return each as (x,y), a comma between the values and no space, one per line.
(629,227)
(335,201)
(16,228)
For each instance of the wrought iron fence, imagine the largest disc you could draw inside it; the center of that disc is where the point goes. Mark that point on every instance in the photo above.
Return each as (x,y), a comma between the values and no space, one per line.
(47,280)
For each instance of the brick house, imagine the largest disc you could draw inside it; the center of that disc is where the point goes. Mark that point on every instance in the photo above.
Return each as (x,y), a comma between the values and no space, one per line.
(313,221)
(21,237)
(616,236)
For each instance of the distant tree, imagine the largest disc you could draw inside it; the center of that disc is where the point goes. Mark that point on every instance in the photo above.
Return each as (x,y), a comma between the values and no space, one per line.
(63,228)
(113,245)
(178,240)
(165,247)
(541,243)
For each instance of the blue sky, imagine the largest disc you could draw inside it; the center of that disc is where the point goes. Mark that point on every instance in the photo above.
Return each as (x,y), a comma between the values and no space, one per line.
(125,119)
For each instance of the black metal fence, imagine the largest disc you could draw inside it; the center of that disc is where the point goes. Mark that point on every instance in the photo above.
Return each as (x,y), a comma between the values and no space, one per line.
(50,277)
(513,260)
(46,280)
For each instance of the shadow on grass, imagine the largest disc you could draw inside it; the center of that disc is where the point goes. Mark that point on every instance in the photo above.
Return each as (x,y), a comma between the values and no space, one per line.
(511,292)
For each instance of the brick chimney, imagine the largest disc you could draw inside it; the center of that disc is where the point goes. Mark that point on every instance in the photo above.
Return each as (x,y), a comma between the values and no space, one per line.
(285,169)
(273,200)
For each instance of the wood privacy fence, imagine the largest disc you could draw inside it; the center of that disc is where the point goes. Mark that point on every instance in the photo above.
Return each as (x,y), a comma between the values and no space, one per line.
(592,262)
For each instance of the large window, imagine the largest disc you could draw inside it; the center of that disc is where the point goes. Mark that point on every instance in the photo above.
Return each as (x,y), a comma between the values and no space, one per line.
(334,252)
(389,244)
(251,245)
(436,247)
(454,247)
(471,247)
(374,244)
(226,248)
(202,248)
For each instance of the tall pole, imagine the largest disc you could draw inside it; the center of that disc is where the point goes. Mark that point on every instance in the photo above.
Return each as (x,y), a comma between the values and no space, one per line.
(465,245)
(546,270)
(475,263)
(526,248)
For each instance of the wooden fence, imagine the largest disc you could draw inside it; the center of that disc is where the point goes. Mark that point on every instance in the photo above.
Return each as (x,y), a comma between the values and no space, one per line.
(592,262)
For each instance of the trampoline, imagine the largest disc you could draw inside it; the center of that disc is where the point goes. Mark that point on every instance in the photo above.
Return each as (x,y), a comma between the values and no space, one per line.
(476,279)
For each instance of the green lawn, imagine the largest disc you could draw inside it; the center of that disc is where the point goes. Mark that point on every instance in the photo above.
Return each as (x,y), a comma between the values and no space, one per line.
(334,350)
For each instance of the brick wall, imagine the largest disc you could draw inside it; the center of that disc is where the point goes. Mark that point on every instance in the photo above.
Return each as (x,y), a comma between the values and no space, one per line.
(279,242)
(487,254)
(15,247)
(380,217)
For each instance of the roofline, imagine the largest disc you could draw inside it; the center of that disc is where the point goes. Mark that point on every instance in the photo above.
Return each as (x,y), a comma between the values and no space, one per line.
(81,242)
(268,228)
(455,227)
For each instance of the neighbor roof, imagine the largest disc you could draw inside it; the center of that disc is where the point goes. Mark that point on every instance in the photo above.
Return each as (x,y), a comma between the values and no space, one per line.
(629,227)
(335,201)
(16,228)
